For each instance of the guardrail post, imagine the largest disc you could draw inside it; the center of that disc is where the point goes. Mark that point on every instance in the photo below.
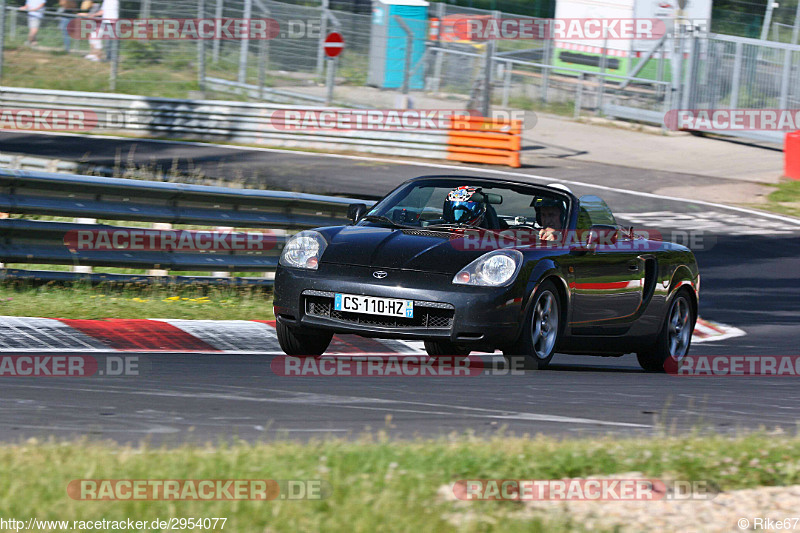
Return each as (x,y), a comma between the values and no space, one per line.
(160,271)
(83,269)
(222,273)
(248,11)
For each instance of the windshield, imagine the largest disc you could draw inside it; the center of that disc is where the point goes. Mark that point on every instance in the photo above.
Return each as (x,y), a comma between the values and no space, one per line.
(465,202)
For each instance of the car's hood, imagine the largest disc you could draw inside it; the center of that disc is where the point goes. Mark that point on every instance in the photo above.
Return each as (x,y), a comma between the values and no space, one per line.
(383,247)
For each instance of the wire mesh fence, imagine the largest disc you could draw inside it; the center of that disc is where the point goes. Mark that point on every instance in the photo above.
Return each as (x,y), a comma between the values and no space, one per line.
(716,71)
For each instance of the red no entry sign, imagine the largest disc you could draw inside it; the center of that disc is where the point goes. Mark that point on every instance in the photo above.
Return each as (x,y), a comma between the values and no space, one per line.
(334,44)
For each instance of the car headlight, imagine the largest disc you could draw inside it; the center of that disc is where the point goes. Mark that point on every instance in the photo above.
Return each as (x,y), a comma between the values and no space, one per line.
(493,269)
(304,250)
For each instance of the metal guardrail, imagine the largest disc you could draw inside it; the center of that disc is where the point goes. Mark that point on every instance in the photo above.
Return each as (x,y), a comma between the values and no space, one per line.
(240,122)
(43,242)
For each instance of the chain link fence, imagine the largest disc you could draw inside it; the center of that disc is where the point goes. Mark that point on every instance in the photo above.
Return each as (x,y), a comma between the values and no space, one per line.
(716,71)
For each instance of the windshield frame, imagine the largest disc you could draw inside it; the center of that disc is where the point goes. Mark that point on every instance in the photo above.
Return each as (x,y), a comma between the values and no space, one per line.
(402,190)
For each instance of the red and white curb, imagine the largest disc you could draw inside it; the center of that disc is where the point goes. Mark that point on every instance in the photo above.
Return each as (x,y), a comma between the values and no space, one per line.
(31,334)
(706,330)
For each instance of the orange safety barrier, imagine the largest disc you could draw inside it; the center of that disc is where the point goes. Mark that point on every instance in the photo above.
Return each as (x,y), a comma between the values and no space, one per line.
(791,155)
(485,140)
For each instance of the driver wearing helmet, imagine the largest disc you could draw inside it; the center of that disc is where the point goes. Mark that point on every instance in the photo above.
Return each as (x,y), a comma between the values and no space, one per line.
(548,215)
(464,205)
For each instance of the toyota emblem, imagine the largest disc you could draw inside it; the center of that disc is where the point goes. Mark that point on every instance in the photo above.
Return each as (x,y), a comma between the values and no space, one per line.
(380,274)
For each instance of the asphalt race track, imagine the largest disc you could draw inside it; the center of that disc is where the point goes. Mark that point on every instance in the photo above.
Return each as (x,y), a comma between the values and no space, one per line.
(749,266)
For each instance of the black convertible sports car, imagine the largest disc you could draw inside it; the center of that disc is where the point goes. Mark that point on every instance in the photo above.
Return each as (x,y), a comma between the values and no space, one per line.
(467,263)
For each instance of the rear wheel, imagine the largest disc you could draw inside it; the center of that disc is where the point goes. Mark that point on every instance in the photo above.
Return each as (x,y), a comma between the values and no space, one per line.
(445,349)
(537,343)
(676,335)
(302,341)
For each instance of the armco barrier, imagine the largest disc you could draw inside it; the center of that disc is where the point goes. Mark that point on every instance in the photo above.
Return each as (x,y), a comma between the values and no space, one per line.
(791,155)
(43,242)
(258,123)
(483,140)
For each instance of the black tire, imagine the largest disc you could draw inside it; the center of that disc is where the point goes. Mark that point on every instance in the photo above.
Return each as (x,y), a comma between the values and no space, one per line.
(671,342)
(302,341)
(445,349)
(536,354)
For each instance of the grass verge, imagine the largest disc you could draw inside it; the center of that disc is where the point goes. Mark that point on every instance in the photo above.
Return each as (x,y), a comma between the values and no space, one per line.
(376,484)
(785,199)
(135,301)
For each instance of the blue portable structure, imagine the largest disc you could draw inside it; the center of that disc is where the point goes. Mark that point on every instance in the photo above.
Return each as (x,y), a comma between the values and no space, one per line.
(387,54)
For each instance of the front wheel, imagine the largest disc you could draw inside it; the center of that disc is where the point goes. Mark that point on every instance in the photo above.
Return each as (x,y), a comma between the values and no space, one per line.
(539,337)
(302,341)
(675,338)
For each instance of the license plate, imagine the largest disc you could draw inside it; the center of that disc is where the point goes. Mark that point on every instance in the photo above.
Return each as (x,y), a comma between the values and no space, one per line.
(372,305)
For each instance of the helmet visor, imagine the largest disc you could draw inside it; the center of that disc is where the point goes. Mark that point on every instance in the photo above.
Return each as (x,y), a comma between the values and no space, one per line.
(464,212)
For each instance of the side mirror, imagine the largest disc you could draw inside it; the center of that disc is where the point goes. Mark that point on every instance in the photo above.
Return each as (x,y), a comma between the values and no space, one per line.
(356,212)
(603,235)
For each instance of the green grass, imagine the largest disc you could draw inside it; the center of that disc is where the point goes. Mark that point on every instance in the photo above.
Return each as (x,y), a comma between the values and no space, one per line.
(786,198)
(135,301)
(377,484)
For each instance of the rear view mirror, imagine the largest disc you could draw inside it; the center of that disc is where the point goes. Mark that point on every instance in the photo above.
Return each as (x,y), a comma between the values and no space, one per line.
(492,198)
(356,212)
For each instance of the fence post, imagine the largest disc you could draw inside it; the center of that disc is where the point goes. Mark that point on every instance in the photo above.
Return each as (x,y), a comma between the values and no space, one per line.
(144,11)
(579,97)
(602,77)
(322,34)
(216,43)
(691,71)
(263,60)
(409,50)
(201,51)
(785,75)
(737,75)
(329,82)
(2,34)
(248,11)
(438,60)
(486,97)
(114,64)
(507,83)
(547,53)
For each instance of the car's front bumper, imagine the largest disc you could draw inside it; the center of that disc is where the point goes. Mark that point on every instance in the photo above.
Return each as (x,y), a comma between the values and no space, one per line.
(476,316)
